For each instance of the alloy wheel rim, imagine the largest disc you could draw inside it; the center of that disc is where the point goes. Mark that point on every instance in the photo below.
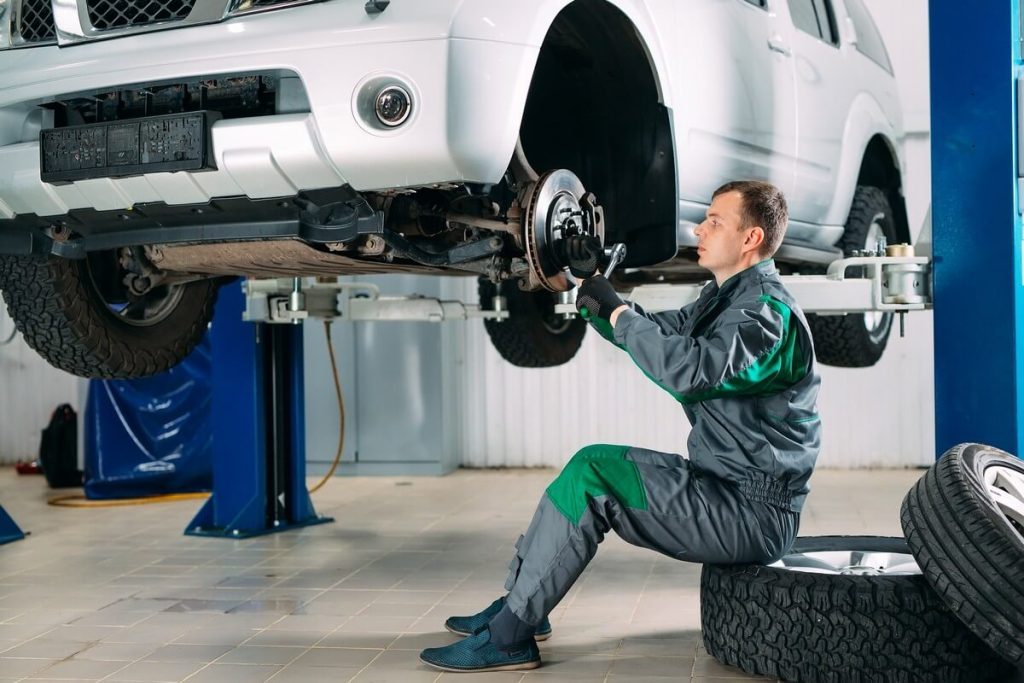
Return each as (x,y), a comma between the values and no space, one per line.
(850,563)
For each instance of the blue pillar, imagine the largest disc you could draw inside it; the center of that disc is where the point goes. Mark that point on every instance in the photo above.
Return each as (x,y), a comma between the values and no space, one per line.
(979,280)
(259,451)
(9,531)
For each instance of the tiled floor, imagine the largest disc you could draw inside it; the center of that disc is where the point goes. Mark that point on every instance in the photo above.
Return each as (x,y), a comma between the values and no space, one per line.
(119,594)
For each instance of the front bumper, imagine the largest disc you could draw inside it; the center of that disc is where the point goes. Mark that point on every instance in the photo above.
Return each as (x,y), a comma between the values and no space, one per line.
(468,96)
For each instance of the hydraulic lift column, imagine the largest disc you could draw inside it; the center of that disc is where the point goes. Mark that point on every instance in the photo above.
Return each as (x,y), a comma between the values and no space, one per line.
(979,280)
(259,467)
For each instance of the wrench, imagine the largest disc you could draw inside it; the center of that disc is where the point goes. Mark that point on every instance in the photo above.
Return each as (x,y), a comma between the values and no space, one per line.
(615,256)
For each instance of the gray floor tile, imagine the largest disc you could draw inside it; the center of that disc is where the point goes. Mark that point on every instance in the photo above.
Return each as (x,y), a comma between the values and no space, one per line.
(313,674)
(356,599)
(337,658)
(233,673)
(24,667)
(246,654)
(80,668)
(157,672)
(187,653)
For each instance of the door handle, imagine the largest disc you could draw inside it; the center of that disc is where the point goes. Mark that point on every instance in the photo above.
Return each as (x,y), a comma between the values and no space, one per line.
(776,44)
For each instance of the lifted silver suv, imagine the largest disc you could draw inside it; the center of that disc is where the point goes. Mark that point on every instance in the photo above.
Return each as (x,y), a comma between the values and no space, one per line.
(152,150)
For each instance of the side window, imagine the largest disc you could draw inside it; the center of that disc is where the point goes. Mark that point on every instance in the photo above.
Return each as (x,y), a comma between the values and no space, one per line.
(826,21)
(869,40)
(814,17)
(756,3)
(804,17)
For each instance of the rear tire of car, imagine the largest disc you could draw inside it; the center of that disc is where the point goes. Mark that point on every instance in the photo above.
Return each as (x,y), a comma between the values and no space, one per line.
(971,552)
(60,311)
(857,340)
(533,335)
(847,625)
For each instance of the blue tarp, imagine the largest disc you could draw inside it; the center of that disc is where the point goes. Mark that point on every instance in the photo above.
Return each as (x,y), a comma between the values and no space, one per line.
(153,435)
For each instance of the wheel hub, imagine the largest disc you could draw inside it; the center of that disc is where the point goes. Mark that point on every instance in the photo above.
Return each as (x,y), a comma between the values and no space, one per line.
(1006,488)
(557,207)
(851,562)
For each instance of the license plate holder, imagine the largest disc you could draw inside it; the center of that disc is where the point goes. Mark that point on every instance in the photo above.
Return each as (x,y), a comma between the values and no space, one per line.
(116,149)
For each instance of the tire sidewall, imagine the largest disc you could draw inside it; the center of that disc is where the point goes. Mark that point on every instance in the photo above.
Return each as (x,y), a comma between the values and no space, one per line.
(860,347)
(974,460)
(526,327)
(173,329)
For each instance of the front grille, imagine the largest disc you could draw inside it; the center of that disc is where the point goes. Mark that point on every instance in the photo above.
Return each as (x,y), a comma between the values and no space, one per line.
(35,22)
(247,5)
(111,14)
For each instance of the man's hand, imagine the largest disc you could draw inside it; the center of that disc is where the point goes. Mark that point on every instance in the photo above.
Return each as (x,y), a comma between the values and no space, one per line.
(582,253)
(598,297)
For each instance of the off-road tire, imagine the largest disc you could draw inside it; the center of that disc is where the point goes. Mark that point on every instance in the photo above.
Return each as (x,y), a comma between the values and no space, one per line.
(838,628)
(61,315)
(523,339)
(969,551)
(844,340)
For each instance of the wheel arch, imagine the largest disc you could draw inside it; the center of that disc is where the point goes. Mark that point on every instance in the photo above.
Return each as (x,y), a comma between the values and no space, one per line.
(592,102)
(880,168)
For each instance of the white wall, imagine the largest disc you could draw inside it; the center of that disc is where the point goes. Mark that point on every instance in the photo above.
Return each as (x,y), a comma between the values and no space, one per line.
(30,389)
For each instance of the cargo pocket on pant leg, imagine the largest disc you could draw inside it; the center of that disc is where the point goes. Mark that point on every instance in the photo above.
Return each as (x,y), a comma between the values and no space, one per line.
(513,567)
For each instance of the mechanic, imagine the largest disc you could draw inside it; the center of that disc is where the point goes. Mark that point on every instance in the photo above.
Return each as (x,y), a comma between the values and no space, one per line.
(741,362)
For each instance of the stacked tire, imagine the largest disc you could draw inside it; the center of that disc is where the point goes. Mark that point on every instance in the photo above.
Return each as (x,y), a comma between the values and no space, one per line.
(943,604)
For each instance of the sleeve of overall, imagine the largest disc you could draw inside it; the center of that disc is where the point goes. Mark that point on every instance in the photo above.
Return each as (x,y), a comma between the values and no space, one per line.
(669,322)
(744,355)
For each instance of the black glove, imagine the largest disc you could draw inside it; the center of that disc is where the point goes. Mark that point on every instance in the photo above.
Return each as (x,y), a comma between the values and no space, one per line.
(582,254)
(598,297)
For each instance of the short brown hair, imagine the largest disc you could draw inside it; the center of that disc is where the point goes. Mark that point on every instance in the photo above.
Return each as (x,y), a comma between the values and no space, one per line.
(764,205)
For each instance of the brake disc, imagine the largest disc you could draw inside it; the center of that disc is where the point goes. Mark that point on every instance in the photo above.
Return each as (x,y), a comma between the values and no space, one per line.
(557,207)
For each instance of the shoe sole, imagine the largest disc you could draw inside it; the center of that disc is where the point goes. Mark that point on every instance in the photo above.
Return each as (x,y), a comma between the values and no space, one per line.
(539,637)
(504,667)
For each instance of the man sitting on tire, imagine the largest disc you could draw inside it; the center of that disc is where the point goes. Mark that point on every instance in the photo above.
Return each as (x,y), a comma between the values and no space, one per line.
(741,362)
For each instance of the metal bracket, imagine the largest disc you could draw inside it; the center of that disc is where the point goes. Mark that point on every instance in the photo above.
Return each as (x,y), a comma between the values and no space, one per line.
(894,284)
(290,301)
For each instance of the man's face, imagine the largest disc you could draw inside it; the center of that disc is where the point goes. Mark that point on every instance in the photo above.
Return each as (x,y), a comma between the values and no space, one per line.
(721,238)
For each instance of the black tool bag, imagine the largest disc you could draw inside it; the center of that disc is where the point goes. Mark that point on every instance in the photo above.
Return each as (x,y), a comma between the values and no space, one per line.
(58,449)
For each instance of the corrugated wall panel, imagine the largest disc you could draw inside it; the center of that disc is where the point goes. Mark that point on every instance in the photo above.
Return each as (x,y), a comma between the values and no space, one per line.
(518,417)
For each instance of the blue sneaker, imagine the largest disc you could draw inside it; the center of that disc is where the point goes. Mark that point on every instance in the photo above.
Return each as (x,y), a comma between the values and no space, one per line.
(477,653)
(465,626)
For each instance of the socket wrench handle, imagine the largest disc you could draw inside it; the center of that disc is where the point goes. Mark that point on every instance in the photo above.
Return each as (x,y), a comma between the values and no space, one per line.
(615,256)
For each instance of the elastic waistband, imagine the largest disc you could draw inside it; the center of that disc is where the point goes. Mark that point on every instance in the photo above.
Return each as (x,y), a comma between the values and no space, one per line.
(766,490)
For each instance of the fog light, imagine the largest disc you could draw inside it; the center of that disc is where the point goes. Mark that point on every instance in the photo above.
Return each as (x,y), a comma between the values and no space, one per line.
(393,106)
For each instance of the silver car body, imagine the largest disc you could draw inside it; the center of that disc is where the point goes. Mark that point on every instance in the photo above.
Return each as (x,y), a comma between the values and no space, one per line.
(750,95)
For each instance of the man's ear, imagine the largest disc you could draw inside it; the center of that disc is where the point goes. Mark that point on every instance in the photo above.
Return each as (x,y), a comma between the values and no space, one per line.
(754,239)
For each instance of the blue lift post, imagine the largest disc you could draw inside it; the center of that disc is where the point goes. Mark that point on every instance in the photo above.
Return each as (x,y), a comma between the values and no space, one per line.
(259,468)
(978,273)
(9,531)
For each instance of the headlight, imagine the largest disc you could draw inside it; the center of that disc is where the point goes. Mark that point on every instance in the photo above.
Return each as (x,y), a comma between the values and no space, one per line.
(386,103)
(393,105)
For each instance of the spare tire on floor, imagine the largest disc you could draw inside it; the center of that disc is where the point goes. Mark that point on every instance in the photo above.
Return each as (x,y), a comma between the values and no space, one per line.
(839,609)
(964,522)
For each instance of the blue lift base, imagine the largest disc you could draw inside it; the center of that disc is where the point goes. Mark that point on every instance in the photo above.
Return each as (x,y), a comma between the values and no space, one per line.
(206,514)
(259,445)
(9,531)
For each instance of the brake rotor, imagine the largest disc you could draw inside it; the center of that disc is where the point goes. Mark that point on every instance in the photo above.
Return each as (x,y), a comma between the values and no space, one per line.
(557,207)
